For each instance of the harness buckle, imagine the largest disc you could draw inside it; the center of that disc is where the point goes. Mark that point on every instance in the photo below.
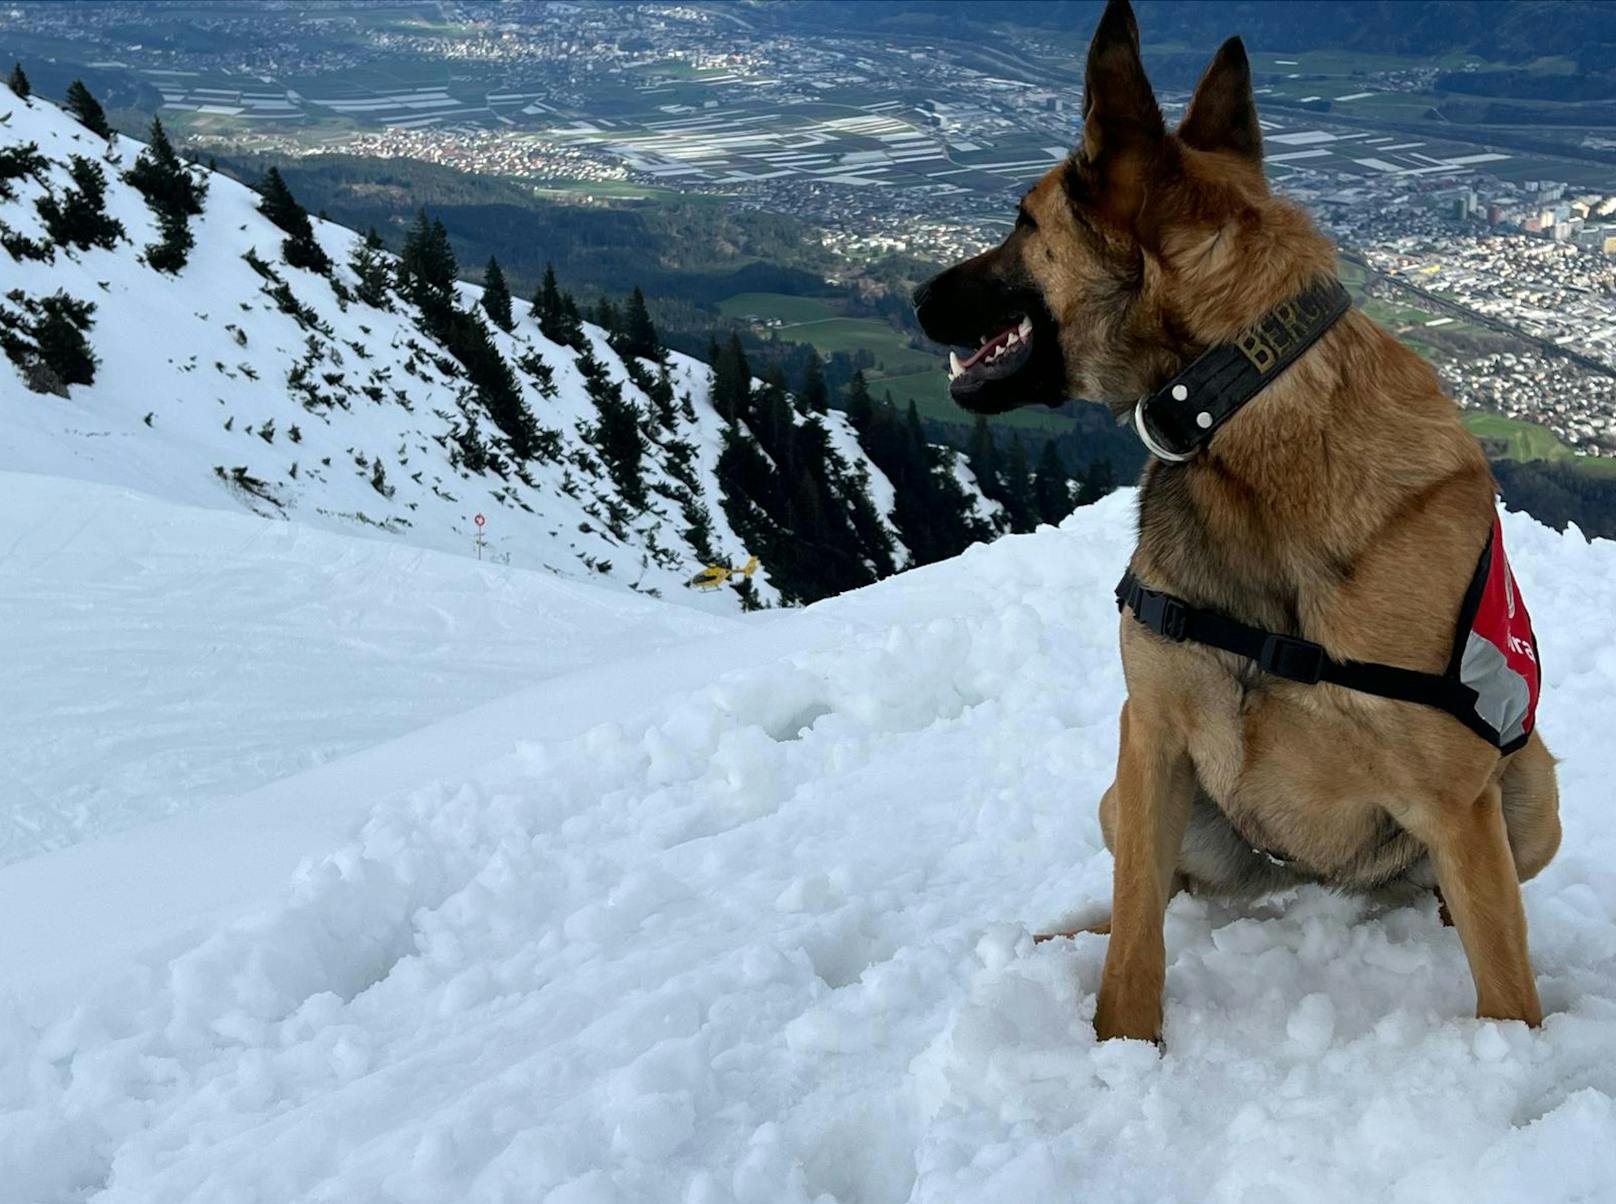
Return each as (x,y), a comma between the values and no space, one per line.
(1163,614)
(1293,659)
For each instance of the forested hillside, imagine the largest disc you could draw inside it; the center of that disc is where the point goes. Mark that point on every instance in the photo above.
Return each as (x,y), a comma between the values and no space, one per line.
(172,330)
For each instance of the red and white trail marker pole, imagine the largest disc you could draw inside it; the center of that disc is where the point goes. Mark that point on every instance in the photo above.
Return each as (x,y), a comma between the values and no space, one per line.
(479,520)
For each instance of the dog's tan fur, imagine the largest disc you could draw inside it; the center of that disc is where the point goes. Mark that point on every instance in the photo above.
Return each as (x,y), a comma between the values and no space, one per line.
(1345,503)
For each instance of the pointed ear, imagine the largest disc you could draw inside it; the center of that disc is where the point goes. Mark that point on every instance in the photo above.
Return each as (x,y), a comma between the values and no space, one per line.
(1222,115)
(1119,109)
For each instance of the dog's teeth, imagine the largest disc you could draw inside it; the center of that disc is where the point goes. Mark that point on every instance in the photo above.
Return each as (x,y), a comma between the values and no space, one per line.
(1015,337)
(1026,327)
(954,365)
(983,341)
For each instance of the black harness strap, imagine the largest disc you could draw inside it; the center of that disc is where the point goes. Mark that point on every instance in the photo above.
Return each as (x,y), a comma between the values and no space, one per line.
(1180,418)
(1287,656)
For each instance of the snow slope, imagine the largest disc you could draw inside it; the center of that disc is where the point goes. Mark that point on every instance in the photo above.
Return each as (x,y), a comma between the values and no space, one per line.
(180,655)
(205,377)
(745,920)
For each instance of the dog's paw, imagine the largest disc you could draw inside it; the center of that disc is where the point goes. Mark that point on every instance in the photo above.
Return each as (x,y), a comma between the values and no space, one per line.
(1118,1020)
(1098,928)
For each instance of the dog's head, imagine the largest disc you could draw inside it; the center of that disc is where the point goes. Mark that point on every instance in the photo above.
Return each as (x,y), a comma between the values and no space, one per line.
(1135,253)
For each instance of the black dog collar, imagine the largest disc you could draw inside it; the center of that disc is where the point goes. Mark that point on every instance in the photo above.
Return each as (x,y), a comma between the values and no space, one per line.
(1180,418)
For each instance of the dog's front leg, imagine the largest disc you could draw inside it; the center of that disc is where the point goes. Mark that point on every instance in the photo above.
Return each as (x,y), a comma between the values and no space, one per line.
(1476,871)
(1154,787)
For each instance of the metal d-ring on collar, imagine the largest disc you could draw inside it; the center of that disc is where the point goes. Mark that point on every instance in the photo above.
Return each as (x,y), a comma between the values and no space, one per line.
(1180,418)
(1141,426)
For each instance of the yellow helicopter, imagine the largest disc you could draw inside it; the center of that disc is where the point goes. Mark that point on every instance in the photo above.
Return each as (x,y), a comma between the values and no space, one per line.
(715,575)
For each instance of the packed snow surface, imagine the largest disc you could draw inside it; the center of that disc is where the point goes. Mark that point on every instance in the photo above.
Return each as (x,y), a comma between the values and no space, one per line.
(743,919)
(181,655)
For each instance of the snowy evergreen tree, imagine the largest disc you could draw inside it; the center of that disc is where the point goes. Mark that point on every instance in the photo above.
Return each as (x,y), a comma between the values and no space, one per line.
(1097,481)
(172,250)
(557,313)
(496,295)
(163,178)
(815,396)
(370,264)
(172,194)
(617,432)
(639,337)
(54,352)
(547,302)
(86,108)
(1018,499)
(662,402)
(78,218)
(860,405)
(1051,488)
(426,264)
(732,381)
(18,82)
(301,249)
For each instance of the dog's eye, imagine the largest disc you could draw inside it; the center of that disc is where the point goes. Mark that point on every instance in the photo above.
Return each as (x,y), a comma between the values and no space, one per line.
(1025,220)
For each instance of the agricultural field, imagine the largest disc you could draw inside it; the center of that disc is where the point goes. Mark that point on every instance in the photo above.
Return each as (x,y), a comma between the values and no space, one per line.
(1528,441)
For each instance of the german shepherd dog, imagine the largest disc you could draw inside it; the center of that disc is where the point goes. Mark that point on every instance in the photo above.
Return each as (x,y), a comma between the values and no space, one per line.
(1345,504)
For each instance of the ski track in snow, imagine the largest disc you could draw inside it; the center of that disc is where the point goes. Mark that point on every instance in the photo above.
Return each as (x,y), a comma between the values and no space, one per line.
(764,938)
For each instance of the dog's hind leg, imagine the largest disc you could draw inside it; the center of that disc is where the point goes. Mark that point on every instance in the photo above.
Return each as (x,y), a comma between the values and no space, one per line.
(1476,871)
(1531,802)
(1099,928)
(1108,827)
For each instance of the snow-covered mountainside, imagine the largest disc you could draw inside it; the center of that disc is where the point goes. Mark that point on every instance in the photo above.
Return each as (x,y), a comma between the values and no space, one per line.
(732,915)
(243,381)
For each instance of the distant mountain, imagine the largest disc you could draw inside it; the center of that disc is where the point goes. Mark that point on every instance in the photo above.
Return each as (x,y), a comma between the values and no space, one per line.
(173,331)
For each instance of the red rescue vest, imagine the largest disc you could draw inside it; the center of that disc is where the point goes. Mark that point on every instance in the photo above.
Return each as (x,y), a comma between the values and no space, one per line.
(1490,684)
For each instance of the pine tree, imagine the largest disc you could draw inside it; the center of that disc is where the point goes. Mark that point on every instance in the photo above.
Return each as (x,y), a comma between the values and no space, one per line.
(662,404)
(1051,487)
(732,382)
(617,434)
(860,405)
(172,250)
(1098,481)
(58,333)
(1018,499)
(496,295)
(557,313)
(426,265)
(163,179)
(79,217)
(547,303)
(570,324)
(606,317)
(18,82)
(444,268)
(639,333)
(301,249)
(815,396)
(369,264)
(87,109)
(983,456)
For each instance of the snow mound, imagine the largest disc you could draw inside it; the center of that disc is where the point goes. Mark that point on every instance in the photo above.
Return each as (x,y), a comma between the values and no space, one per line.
(762,937)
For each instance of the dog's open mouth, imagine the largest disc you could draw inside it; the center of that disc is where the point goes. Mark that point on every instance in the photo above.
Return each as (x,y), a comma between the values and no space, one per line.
(999,356)
(1012,367)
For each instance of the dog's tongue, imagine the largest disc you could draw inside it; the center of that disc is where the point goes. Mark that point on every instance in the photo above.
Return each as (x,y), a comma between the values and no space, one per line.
(996,341)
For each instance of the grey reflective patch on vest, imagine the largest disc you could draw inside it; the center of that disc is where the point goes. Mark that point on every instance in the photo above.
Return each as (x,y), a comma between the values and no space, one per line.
(1502,695)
